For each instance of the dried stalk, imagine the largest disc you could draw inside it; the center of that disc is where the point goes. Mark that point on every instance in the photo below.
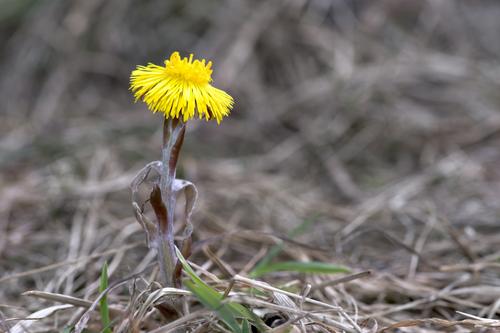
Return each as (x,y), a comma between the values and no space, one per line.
(163,197)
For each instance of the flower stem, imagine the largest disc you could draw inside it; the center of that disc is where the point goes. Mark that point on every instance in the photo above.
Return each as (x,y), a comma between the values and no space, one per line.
(173,137)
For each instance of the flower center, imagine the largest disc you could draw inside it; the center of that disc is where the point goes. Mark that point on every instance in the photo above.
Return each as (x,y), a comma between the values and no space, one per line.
(184,69)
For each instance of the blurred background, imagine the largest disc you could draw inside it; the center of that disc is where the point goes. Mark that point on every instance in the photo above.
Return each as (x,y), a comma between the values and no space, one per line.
(376,121)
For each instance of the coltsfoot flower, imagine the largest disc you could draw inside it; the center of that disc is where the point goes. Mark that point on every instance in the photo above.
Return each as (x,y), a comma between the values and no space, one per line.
(181,89)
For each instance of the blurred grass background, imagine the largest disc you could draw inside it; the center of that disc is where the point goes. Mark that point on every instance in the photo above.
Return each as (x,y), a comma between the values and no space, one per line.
(375,119)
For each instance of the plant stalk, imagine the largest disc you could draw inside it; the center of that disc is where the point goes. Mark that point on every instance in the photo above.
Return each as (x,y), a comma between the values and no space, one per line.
(173,137)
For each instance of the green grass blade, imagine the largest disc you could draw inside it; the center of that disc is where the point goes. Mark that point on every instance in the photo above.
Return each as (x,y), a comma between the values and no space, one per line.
(243,312)
(245,326)
(229,312)
(302,267)
(276,249)
(302,228)
(67,329)
(188,268)
(214,303)
(104,309)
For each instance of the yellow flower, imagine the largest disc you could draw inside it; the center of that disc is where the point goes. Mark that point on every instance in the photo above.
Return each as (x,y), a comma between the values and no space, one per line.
(179,88)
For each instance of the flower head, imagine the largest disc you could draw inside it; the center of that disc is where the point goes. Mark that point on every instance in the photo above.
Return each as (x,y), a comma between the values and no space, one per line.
(180,88)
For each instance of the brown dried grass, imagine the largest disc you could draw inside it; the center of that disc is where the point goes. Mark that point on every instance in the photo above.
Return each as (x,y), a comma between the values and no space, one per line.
(378,120)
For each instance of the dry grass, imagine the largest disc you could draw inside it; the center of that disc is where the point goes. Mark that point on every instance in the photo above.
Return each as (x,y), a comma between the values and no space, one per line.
(377,121)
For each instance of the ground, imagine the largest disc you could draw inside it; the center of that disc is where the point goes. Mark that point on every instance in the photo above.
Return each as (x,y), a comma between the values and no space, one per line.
(373,127)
